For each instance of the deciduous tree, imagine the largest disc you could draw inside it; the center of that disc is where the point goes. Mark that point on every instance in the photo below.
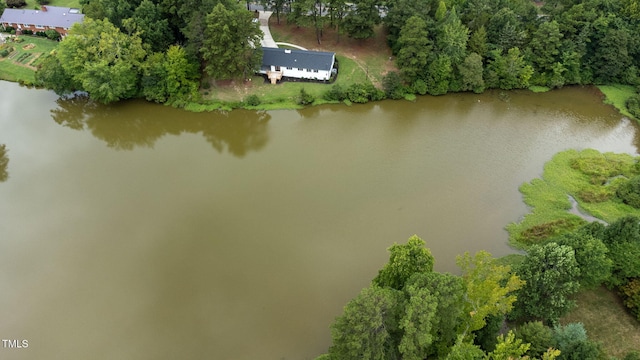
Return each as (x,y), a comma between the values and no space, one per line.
(103,60)
(551,276)
(405,260)
(364,330)
(231,44)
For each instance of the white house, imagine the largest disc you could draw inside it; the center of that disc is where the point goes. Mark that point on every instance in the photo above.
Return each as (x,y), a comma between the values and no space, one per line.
(299,64)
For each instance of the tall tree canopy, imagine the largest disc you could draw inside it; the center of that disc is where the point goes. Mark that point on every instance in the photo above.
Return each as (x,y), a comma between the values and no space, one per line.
(551,276)
(102,60)
(231,47)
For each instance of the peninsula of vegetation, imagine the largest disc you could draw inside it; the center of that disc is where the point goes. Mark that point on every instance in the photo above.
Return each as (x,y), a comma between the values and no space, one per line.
(204,54)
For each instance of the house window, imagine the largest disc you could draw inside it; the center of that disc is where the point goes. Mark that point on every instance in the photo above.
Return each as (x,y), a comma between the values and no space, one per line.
(315,70)
(39,26)
(289,68)
(25,25)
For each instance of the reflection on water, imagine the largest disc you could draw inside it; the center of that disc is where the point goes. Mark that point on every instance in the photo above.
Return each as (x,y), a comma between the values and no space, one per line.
(127,125)
(4,163)
(173,250)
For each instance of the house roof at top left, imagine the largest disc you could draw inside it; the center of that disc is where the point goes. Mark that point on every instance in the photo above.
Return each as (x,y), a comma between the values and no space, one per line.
(53,16)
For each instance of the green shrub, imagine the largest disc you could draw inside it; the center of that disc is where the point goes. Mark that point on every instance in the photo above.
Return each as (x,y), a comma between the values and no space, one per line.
(27,32)
(393,86)
(633,355)
(629,192)
(336,93)
(305,98)
(252,100)
(363,93)
(4,53)
(52,34)
(538,335)
(16,3)
(633,105)
(43,2)
(631,296)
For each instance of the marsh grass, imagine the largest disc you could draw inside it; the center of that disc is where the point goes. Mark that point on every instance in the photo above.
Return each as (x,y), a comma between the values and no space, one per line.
(590,177)
(606,320)
(617,96)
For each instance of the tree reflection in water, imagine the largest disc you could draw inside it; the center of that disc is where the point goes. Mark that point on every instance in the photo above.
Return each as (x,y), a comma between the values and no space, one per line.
(4,163)
(130,124)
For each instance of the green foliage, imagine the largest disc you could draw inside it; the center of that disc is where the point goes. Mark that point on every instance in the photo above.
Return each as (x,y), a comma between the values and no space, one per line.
(52,34)
(415,48)
(230,45)
(622,238)
(573,343)
(465,351)
(631,296)
(102,60)
(551,276)
(629,192)
(405,260)
(439,73)
(569,334)
(591,256)
(364,331)
(633,355)
(487,337)
(393,86)
(490,289)
(448,291)
(508,348)
(52,75)
(590,177)
(633,105)
(359,24)
(539,336)
(15,3)
(508,72)
(363,93)
(471,72)
(336,93)
(252,100)
(4,163)
(304,98)
(417,323)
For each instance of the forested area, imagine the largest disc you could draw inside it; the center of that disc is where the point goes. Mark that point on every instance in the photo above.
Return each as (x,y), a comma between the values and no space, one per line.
(159,49)
(491,311)
(470,45)
(153,49)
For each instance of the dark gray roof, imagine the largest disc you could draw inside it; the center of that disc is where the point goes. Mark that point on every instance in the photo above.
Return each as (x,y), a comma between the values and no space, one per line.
(301,59)
(55,16)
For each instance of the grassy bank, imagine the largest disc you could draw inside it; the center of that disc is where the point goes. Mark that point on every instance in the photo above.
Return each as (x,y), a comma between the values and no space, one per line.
(32,4)
(617,95)
(588,176)
(606,320)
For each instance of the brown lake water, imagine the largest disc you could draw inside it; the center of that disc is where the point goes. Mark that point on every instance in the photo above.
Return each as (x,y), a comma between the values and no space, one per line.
(138,231)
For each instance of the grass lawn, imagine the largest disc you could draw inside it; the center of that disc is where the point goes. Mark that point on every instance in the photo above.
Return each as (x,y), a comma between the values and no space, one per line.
(32,4)
(617,95)
(19,66)
(606,320)
(590,177)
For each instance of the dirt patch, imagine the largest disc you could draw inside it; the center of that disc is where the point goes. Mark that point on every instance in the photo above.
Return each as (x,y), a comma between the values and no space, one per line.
(29,46)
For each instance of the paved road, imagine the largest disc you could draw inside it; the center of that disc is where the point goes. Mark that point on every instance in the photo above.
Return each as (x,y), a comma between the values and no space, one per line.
(267,41)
